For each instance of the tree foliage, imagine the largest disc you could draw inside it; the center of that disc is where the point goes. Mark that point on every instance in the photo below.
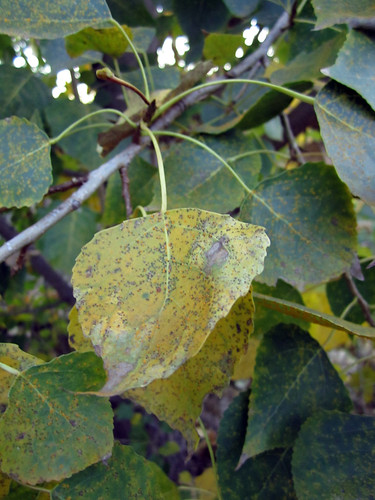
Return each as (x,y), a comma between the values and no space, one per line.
(203,223)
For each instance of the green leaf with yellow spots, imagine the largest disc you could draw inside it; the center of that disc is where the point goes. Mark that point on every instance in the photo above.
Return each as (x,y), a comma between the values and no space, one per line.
(124,475)
(25,163)
(150,290)
(310,219)
(334,457)
(331,12)
(48,431)
(293,378)
(46,19)
(11,355)
(107,40)
(207,372)
(347,125)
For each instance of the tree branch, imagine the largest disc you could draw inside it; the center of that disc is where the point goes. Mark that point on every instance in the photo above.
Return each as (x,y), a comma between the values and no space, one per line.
(41,266)
(101,174)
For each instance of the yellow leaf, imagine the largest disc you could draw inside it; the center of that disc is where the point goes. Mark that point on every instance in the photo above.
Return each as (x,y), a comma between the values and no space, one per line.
(149,291)
(317,299)
(76,339)
(178,399)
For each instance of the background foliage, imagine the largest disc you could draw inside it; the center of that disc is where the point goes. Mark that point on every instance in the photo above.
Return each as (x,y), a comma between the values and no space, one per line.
(188,232)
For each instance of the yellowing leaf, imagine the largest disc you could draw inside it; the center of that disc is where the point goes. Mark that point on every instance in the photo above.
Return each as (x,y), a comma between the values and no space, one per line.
(108,40)
(208,371)
(150,290)
(317,299)
(76,338)
(13,356)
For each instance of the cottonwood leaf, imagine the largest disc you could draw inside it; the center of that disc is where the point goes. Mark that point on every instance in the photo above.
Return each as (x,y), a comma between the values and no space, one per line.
(76,338)
(150,290)
(206,182)
(299,311)
(13,356)
(334,457)
(221,47)
(124,475)
(21,92)
(293,378)
(354,66)
(207,372)
(51,19)
(49,432)
(4,485)
(347,126)
(333,12)
(241,8)
(25,163)
(110,41)
(265,476)
(309,216)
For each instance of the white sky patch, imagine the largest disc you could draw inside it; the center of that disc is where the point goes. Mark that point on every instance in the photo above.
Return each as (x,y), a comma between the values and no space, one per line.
(19,62)
(263,34)
(227,66)
(159,9)
(249,34)
(84,95)
(166,56)
(31,57)
(239,53)
(62,78)
(270,52)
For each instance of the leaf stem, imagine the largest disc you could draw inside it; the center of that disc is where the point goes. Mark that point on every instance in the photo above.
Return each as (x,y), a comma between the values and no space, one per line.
(212,456)
(9,369)
(278,88)
(147,91)
(163,185)
(118,71)
(106,74)
(54,140)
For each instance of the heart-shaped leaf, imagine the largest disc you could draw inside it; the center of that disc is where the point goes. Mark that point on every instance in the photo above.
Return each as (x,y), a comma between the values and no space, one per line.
(150,290)
(49,432)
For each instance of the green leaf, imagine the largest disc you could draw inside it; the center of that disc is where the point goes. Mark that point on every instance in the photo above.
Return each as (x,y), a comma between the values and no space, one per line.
(107,40)
(221,47)
(207,372)
(206,182)
(241,8)
(142,38)
(265,318)
(307,64)
(331,12)
(21,92)
(309,215)
(175,274)
(51,19)
(334,457)
(63,242)
(131,12)
(195,16)
(269,105)
(354,66)
(80,144)
(347,125)
(25,164)
(265,476)
(293,378)
(124,475)
(56,56)
(141,175)
(4,485)
(48,432)
(297,311)
(13,356)
(340,296)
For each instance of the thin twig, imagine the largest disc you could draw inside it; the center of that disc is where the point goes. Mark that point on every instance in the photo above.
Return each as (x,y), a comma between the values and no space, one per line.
(294,148)
(65,186)
(126,190)
(361,301)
